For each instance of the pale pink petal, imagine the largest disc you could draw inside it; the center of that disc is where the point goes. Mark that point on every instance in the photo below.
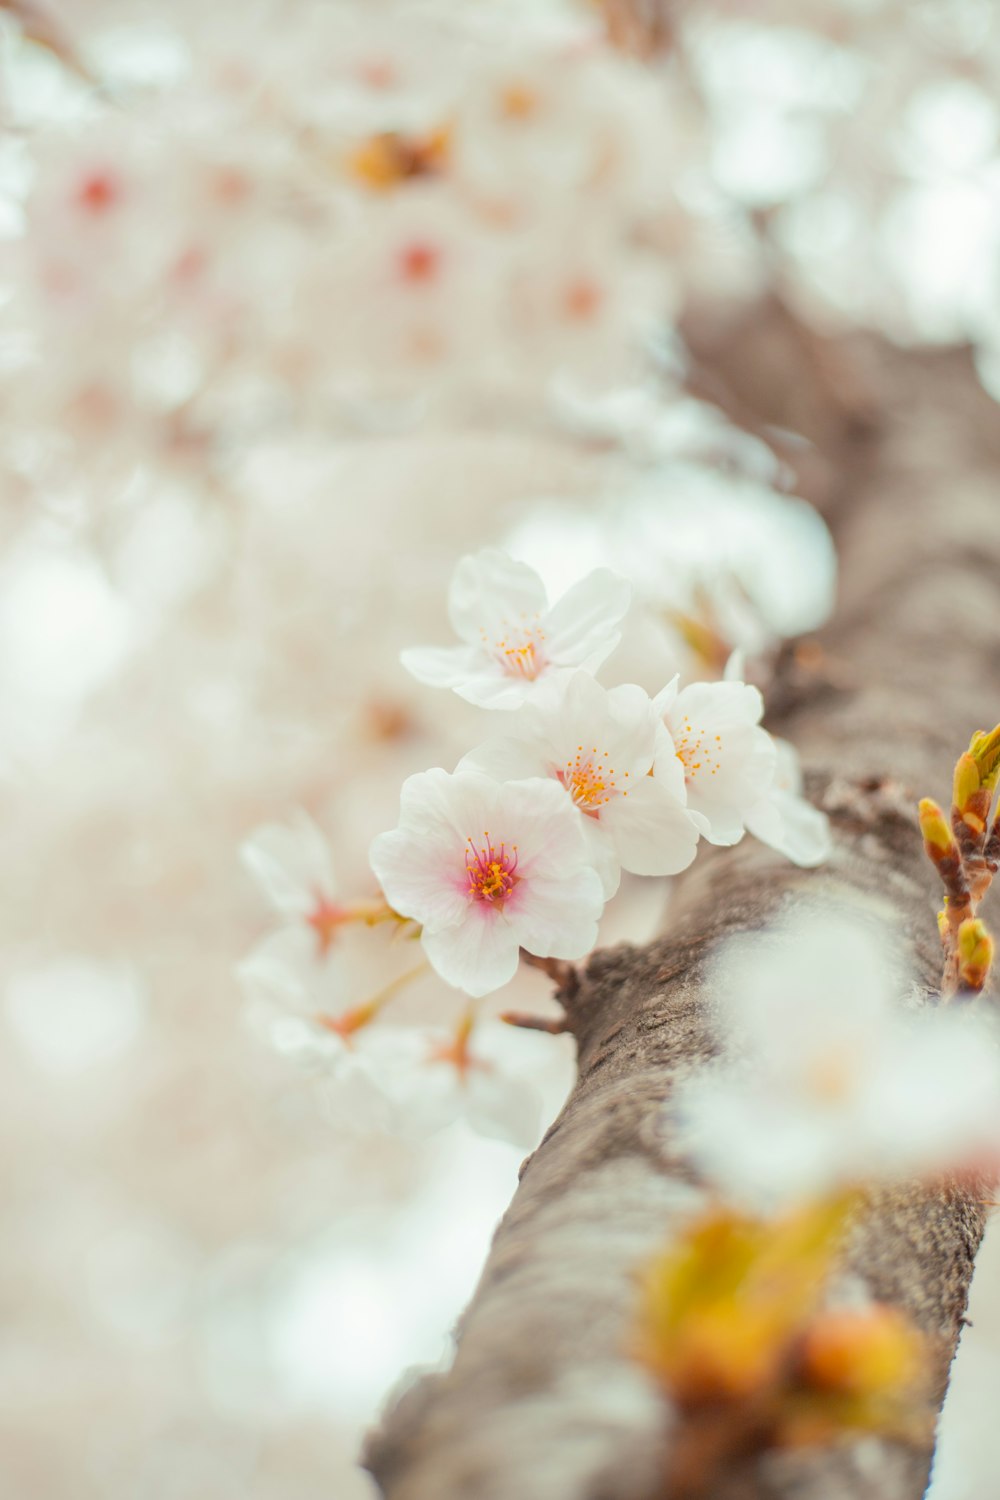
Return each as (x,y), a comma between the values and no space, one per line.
(447,807)
(421,878)
(478,954)
(538,817)
(291,862)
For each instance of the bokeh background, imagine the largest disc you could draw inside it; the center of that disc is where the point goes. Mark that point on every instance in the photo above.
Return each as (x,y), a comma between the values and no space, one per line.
(300,301)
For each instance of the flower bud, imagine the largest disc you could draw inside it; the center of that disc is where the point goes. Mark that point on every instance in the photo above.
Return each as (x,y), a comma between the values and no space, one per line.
(975,953)
(937,835)
(862,1352)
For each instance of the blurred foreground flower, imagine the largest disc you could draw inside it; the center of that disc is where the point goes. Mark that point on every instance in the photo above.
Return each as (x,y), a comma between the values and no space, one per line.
(739,1323)
(824,1081)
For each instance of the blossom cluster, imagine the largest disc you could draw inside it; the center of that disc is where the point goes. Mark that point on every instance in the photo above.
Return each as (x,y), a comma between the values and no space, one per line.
(518,849)
(352,219)
(521,845)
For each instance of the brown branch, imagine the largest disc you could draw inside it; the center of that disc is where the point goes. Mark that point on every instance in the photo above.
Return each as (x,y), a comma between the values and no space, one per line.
(542,1402)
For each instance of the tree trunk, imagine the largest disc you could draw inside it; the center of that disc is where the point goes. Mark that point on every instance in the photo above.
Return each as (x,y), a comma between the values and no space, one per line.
(542,1402)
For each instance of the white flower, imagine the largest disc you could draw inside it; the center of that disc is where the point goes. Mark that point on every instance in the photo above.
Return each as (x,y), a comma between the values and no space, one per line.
(826,1081)
(487,869)
(696,539)
(599,745)
(292,865)
(785,820)
(515,644)
(728,759)
(316,1023)
(472,1073)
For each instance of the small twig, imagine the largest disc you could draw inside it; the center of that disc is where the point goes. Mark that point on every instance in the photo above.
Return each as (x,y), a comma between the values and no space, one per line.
(564,976)
(553,1025)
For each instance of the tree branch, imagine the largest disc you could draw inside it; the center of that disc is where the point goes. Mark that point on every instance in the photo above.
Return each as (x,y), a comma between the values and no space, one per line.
(542,1402)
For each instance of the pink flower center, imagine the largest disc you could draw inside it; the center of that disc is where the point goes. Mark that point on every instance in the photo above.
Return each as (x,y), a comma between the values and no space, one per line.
(697,750)
(98,192)
(492,872)
(419,263)
(582,300)
(520,652)
(324,920)
(590,780)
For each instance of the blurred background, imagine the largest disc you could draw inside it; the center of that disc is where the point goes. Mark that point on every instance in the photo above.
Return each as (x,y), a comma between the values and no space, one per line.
(299,301)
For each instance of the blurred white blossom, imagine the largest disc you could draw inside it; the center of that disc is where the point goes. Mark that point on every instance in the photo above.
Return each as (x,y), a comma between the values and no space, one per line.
(826,1079)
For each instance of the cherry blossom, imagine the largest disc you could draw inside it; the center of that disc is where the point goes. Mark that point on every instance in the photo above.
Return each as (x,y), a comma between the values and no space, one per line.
(515,644)
(474,1072)
(599,745)
(728,760)
(826,1079)
(727,550)
(487,869)
(291,863)
(784,819)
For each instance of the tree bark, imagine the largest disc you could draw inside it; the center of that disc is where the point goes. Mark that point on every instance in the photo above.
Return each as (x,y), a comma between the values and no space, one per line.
(542,1402)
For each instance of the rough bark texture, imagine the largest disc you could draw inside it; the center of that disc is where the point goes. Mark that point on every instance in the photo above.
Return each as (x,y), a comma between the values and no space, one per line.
(541,1402)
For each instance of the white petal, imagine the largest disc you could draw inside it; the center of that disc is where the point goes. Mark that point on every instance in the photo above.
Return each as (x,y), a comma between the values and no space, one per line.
(602,854)
(503,1107)
(667,697)
(506,759)
(620,724)
(735,669)
(490,591)
(539,817)
(667,765)
(291,862)
(421,878)
(478,954)
(652,832)
(489,686)
(723,826)
(447,805)
(283,968)
(441,666)
(718,705)
(585,625)
(794,827)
